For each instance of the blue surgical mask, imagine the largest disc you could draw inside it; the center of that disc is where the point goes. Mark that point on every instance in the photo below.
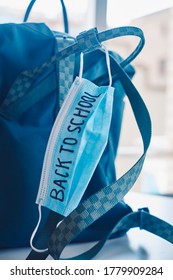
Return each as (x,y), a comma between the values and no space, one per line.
(77,141)
(76,144)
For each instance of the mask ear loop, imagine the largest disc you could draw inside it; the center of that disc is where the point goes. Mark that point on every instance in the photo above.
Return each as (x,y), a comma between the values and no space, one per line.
(108,64)
(81,66)
(34,233)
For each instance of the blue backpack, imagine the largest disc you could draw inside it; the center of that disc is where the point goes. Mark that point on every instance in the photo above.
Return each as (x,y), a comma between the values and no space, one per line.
(37,68)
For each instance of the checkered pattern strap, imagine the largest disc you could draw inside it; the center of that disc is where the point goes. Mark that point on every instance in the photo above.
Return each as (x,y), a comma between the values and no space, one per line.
(65,69)
(140,219)
(86,41)
(105,199)
(98,204)
(90,40)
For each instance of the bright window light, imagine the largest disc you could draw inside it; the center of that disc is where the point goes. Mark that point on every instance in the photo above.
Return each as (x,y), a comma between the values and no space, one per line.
(48,7)
(121,12)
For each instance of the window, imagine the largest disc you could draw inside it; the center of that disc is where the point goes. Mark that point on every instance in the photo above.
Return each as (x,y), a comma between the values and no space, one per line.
(153,78)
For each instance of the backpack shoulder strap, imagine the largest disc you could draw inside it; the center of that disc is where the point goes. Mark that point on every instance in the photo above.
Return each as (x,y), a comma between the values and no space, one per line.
(102,201)
(105,199)
(141,219)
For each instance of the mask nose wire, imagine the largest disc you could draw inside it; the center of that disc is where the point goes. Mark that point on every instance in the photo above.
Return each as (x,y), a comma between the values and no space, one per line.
(107,64)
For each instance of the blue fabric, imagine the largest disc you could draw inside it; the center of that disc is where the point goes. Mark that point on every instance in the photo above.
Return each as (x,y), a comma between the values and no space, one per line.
(17,40)
(23,141)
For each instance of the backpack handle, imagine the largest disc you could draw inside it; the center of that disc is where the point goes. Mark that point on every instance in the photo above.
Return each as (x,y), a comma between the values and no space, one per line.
(86,41)
(65,18)
(90,40)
